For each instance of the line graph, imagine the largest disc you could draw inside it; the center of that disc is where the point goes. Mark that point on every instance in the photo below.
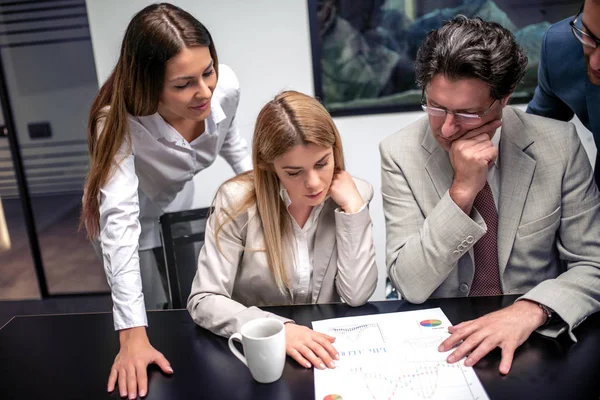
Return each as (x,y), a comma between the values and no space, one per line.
(419,380)
(390,357)
(356,337)
(423,343)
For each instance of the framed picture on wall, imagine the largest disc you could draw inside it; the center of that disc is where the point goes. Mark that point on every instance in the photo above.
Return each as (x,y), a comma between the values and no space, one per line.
(363,50)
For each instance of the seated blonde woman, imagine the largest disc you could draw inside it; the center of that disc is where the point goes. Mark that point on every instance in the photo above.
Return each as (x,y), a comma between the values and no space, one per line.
(295,230)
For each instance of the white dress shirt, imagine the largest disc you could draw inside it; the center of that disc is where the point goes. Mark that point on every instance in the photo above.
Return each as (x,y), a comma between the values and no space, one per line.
(304,239)
(156,177)
(494,170)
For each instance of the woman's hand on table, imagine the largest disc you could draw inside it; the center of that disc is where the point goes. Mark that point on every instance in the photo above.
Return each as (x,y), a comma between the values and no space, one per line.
(130,366)
(310,348)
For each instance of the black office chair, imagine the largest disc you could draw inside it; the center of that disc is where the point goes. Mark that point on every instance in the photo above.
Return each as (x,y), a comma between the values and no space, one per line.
(182,236)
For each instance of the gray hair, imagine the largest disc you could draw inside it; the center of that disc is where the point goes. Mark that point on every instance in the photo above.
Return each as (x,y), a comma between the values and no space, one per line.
(472,48)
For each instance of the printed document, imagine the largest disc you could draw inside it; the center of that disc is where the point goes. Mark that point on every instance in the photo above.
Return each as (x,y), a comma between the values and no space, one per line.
(393,356)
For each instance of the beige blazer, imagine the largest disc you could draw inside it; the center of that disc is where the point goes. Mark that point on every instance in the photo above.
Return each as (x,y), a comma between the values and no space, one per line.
(548,212)
(231,284)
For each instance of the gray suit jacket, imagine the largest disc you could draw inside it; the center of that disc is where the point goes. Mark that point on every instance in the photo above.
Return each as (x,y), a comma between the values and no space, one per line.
(548,211)
(228,288)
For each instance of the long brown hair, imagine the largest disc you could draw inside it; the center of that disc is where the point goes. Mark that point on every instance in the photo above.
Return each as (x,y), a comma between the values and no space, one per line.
(289,120)
(154,36)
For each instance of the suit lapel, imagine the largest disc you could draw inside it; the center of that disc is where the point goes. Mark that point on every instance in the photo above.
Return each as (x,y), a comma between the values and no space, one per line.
(592,94)
(438,164)
(516,173)
(324,244)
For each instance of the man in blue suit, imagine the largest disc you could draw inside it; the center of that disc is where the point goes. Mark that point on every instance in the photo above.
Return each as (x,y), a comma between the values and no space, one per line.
(569,72)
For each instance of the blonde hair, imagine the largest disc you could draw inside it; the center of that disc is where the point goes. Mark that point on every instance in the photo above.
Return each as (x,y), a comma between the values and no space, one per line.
(289,120)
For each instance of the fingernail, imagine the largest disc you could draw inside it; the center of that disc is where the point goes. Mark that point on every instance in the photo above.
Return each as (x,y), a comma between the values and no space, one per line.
(337,357)
(142,394)
(450,359)
(468,363)
(307,365)
(321,366)
(441,348)
(132,397)
(332,365)
(123,394)
(170,369)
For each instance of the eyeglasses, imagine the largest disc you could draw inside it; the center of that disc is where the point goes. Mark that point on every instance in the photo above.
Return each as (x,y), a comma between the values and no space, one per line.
(463,118)
(587,39)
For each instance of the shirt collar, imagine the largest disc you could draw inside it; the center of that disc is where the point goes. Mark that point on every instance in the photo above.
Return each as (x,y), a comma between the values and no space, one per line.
(216,111)
(159,128)
(284,196)
(314,212)
(496,143)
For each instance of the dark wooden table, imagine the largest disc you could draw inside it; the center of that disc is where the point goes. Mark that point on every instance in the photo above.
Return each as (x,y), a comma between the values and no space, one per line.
(69,357)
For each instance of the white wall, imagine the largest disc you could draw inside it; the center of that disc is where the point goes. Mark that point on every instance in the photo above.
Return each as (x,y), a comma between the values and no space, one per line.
(267,43)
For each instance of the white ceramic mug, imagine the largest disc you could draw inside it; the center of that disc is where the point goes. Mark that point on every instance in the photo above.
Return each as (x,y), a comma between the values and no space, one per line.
(263,340)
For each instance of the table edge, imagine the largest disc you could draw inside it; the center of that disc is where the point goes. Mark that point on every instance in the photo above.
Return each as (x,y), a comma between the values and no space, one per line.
(7,322)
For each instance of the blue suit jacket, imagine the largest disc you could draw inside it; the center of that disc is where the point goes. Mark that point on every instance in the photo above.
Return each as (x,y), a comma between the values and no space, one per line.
(563,86)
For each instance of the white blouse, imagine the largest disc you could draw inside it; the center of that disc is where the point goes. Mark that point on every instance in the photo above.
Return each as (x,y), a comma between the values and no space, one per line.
(304,239)
(156,177)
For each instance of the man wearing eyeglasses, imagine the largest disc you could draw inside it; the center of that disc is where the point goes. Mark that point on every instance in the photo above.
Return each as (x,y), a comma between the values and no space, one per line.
(482,199)
(569,72)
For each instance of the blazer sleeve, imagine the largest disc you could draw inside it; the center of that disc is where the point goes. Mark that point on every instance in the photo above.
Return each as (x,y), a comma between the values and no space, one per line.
(574,294)
(210,303)
(421,251)
(356,278)
(545,102)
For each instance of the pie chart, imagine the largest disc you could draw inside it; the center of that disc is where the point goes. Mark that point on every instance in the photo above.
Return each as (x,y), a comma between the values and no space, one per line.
(430,323)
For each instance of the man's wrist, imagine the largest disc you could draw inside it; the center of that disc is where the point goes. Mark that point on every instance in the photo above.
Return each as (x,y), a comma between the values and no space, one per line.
(549,313)
(462,197)
(541,318)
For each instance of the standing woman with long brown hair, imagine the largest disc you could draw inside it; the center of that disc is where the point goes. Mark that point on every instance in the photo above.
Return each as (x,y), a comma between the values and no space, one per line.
(160,118)
(295,230)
